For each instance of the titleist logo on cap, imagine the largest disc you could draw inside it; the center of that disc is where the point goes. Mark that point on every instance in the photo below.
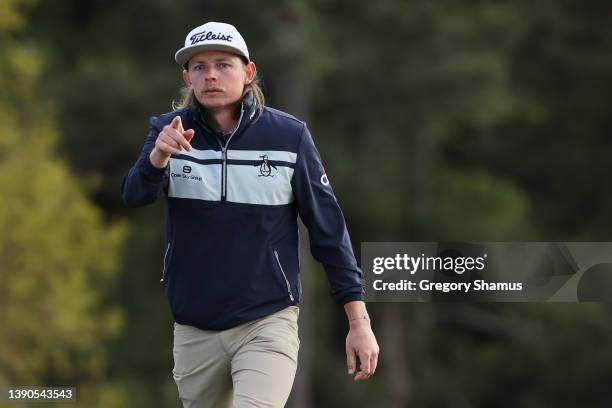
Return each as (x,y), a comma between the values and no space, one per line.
(212,36)
(209,35)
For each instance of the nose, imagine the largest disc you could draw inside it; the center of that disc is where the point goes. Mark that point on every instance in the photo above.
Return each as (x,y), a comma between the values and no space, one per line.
(210,74)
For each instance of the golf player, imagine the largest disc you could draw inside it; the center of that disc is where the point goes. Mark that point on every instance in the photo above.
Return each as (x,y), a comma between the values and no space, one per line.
(236,175)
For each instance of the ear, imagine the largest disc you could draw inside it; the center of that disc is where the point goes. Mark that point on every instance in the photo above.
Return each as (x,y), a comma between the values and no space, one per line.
(251,71)
(186,79)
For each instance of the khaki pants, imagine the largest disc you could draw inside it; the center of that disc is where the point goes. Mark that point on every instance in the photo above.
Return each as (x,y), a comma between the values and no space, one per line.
(251,365)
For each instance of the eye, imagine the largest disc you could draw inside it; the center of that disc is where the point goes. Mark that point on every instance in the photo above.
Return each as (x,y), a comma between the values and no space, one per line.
(223,65)
(197,67)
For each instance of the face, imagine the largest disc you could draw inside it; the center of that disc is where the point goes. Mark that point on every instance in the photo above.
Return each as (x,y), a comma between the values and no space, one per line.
(218,79)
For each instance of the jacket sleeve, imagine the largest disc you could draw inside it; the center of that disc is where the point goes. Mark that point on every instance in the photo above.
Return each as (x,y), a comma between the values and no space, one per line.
(330,243)
(144,182)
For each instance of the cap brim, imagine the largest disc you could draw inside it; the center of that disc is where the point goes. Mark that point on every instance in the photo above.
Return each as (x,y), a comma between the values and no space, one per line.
(183,55)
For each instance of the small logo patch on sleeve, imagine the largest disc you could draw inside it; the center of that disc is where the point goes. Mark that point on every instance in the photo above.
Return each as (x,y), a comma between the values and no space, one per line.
(324,180)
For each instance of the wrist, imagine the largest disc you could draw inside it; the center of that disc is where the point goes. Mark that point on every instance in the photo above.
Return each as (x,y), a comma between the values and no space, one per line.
(157,159)
(359,321)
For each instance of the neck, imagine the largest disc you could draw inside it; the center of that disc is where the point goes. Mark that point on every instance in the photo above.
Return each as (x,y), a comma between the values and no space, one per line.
(225,120)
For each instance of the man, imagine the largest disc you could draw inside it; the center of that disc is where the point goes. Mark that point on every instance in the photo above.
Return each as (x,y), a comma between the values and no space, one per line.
(236,175)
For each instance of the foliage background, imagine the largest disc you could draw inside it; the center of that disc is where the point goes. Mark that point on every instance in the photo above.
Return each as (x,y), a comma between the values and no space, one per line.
(446,120)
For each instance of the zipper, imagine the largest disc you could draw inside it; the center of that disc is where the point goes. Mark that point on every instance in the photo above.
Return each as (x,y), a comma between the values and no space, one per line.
(223,169)
(164,270)
(224,153)
(284,276)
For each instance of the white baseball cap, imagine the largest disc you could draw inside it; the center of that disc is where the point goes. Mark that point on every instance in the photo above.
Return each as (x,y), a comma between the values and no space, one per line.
(212,36)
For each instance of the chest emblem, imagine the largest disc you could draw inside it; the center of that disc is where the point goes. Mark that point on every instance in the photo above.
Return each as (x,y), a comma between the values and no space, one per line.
(265,168)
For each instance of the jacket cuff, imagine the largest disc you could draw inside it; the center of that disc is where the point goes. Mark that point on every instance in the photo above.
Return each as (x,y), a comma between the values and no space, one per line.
(151,172)
(344,298)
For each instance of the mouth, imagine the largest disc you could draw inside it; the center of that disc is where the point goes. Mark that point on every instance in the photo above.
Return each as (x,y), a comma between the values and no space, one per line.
(213,91)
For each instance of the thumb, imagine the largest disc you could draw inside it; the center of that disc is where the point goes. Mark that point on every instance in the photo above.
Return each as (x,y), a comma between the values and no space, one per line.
(188,134)
(350,361)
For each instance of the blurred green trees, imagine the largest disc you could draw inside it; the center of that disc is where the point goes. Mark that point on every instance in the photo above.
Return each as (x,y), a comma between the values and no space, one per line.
(58,256)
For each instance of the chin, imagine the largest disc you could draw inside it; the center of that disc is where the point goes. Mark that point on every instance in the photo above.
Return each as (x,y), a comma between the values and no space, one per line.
(217,103)
(213,105)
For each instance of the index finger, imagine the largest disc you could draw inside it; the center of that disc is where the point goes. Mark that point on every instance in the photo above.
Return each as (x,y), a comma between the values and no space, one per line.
(177,123)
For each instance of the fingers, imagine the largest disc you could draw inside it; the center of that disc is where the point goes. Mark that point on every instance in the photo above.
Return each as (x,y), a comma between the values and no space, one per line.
(166,148)
(368,363)
(181,137)
(373,362)
(188,134)
(350,361)
(167,144)
(177,124)
(173,138)
(364,359)
(169,141)
(362,376)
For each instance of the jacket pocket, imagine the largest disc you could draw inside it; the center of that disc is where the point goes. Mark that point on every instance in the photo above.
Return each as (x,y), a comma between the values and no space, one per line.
(166,262)
(282,271)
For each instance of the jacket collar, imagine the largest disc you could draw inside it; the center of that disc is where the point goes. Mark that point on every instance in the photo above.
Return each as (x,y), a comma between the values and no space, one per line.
(250,113)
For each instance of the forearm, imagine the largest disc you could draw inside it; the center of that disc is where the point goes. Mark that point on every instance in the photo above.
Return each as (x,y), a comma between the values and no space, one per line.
(143,183)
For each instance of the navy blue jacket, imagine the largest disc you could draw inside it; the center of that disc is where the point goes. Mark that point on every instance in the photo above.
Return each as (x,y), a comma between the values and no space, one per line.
(231,232)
